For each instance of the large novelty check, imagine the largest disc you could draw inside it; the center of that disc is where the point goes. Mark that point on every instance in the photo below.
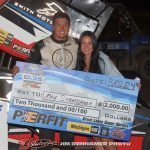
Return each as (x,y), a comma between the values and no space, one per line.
(73,101)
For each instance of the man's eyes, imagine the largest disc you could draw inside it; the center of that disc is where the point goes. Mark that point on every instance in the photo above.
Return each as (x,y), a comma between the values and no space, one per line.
(62,26)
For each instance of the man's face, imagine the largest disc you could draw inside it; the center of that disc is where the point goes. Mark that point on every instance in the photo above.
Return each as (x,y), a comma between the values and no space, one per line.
(61,28)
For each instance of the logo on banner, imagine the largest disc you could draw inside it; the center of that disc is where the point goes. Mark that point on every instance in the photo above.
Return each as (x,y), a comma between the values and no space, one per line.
(21,49)
(36,117)
(94,129)
(118,133)
(29,117)
(51,10)
(104,131)
(79,127)
(5,37)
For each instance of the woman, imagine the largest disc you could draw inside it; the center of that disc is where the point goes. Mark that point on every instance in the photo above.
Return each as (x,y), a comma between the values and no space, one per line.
(89,59)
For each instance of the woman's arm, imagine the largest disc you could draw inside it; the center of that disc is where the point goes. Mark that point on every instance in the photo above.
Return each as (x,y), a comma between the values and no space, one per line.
(107,66)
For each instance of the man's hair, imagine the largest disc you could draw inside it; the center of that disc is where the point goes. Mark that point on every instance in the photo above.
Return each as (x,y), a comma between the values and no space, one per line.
(61,15)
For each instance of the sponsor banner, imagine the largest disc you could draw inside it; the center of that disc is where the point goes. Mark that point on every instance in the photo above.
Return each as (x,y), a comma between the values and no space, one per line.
(13,46)
(3,126)
(33,22)
(25,29)
(73,101)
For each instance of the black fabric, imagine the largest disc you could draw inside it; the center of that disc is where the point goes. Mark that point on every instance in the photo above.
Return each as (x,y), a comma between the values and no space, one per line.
(64,137)
(35,54)
(46,134)
(58,41)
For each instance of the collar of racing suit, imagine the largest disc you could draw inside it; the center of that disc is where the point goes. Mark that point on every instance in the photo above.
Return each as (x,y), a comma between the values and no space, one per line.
(58,41)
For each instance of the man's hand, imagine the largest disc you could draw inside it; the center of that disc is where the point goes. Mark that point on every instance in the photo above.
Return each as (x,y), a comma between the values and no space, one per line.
(14,70)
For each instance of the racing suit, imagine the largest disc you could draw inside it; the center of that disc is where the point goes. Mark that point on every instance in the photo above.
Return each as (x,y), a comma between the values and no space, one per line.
(63,54)
(51,52)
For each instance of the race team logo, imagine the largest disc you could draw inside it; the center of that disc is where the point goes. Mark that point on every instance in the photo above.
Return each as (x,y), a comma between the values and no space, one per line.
(21,49)
(118,133)
(62,59)
(51,10)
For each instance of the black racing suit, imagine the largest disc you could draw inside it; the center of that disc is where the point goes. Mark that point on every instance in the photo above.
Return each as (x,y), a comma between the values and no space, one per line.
(60,54)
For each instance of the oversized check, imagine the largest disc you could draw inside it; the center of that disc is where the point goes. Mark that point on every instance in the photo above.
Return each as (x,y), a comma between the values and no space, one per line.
(73,101)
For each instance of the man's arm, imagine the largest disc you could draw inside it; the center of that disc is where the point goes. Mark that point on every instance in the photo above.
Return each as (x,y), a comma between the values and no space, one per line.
(35,54)
(35,57)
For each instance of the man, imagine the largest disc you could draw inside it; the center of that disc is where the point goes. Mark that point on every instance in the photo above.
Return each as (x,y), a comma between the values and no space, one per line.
(58,50)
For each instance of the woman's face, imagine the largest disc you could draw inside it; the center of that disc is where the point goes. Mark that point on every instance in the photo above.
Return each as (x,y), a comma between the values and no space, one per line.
(86,45)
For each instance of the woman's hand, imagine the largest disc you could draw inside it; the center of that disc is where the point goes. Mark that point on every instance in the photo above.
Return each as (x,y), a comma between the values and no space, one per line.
(138,84)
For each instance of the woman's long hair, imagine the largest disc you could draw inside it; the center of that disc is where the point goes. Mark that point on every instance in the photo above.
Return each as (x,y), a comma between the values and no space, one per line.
(94,57)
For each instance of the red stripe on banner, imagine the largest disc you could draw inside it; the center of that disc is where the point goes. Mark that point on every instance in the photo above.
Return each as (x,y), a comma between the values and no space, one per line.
(135,144)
